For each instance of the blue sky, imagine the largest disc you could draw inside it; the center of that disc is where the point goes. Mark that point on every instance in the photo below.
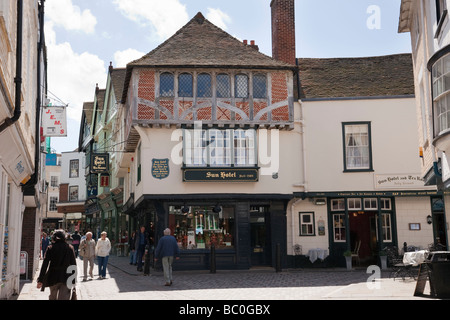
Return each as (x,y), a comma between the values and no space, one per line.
(83,36)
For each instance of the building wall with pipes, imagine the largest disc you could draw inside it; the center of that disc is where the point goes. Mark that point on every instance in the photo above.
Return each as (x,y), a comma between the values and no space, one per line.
(384,199)
(18,141)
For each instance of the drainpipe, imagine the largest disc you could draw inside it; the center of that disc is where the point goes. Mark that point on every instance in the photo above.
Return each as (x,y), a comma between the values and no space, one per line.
(18,79)
(37,152)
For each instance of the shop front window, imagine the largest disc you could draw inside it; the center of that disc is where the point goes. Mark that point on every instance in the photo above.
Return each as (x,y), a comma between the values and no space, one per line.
(339,227)
(199,227)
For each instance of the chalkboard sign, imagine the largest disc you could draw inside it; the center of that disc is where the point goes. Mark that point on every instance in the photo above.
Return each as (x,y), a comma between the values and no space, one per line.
(422,280)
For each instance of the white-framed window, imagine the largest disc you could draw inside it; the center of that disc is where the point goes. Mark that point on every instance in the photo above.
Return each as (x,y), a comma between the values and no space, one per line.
(386,227)
(74,168)
(307,227)
(441,94)
(385,204)
(357,146)
(337,205)
(54,181)
(73,193)
(354,204)
(339,230)
(370,204)
(219,148)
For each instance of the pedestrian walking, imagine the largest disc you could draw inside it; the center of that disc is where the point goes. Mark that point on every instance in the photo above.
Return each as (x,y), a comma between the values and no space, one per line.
(87,252)
(76,238)
(102,250)
(132,248)
(140,243)
(56,268)
(45,242)
(167,249)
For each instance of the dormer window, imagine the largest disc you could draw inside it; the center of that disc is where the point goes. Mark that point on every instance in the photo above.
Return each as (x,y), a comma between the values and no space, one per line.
(185,86)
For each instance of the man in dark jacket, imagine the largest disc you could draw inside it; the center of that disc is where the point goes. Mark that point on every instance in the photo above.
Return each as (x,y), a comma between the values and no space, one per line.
(167,248)
(61,263)
(140,244)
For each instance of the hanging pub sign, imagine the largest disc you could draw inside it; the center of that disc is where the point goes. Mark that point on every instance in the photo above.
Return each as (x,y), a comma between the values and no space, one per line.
(100,163)
(54,122)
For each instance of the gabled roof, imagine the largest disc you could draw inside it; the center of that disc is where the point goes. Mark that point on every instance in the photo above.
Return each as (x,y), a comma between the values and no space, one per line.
(201,44)
(118,79)
(383,76)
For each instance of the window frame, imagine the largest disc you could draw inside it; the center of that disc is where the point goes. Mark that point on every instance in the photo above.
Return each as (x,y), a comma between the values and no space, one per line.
(71,190)
(197,143)
(167,94)
(74,172)
(189,94)
(236,86)
(311,224)
(369,168)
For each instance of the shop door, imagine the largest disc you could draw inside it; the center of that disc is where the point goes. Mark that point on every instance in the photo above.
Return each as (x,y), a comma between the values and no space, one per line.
(259,238)
(363,234)
(439,223)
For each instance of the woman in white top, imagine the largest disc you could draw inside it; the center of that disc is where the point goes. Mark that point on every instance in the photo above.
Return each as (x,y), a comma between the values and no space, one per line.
(102,250)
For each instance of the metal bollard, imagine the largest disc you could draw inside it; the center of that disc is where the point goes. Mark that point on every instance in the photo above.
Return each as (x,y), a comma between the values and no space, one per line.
(213,259)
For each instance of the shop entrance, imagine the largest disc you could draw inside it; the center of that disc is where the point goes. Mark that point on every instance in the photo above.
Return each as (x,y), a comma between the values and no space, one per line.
(259,236)
(439,223)
(363,234)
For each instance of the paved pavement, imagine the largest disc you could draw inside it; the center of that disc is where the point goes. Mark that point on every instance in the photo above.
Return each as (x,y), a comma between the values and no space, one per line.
(124,282)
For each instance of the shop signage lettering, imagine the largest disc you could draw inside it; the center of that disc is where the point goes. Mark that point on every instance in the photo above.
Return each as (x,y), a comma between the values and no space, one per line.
(100,163)
(54,122)
(220,175)
(398,181)
(160,168)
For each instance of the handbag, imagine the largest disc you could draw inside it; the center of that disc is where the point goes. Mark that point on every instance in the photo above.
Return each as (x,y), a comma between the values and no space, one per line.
(74,294)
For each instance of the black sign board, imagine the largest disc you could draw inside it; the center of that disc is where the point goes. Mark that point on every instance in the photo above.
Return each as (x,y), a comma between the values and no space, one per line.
(220,175)
(100,163)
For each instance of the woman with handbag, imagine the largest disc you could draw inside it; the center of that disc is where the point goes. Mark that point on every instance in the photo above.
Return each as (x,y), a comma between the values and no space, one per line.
(87,252)
(61,262)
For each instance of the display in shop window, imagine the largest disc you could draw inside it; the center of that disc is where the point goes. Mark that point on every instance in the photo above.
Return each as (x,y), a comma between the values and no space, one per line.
(201,227)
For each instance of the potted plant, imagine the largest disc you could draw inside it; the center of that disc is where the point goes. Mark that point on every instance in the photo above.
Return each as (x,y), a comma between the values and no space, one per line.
(348,259)
(383,259)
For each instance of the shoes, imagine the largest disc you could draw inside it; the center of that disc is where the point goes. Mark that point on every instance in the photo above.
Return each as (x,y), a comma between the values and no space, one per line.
(167,284)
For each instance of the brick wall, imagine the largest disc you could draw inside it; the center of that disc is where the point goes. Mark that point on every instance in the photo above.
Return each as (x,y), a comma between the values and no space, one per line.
(283,30)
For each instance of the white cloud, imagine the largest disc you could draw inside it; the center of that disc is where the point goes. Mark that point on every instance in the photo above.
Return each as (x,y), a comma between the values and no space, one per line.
(71,76)
(70,17)
(166,17)
(122,58)
(218,17)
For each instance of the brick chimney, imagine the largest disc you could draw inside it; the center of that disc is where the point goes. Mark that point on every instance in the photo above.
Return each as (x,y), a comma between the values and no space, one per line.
(283,30)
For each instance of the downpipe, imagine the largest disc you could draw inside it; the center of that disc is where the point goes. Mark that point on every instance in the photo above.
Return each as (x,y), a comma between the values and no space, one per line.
(18,79)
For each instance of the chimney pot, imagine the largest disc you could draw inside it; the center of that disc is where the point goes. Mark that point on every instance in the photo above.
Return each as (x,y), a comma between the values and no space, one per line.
(245,42)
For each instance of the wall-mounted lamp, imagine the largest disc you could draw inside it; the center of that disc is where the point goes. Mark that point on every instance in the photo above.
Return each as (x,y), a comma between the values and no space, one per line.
(429,219)
(320,202)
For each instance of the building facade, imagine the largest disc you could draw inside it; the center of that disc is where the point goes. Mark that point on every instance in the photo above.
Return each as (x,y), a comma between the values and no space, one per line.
(22,87)
(427,22)
(72,190)
(364,190)
(52,219)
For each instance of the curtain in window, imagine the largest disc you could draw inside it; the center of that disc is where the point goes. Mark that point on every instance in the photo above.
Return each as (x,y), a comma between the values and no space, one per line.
(357,146)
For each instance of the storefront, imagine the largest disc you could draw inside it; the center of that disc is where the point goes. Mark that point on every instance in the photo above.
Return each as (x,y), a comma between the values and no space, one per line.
(365,223)
(244,230)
